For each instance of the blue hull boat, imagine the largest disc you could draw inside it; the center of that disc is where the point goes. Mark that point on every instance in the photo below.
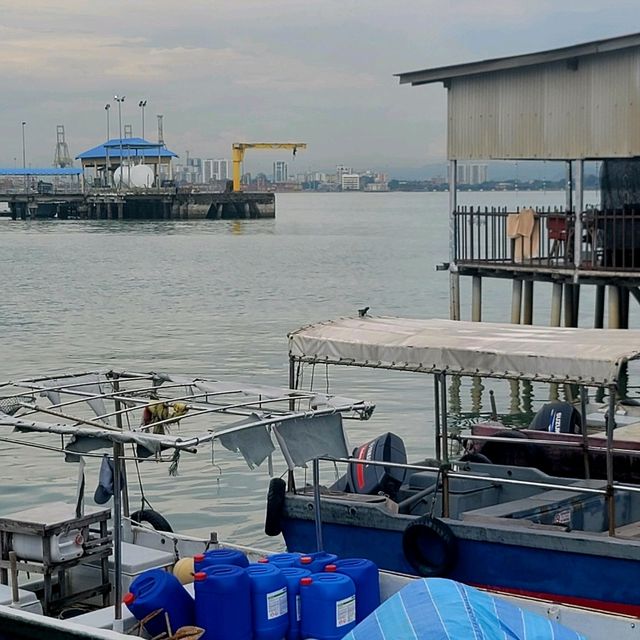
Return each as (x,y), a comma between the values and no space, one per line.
(510,528)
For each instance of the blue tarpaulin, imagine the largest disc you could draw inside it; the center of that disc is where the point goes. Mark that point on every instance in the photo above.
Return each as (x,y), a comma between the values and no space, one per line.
(439,609)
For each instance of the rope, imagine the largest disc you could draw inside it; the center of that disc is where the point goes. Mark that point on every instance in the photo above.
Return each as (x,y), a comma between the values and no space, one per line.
(143,498)
(435,494)
(313,372)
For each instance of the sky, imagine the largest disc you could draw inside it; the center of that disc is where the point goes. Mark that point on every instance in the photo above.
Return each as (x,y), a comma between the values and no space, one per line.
(224,71)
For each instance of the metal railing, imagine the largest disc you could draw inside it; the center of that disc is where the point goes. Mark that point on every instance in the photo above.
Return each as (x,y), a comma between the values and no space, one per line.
(611,239)
(494,235)
(497,235)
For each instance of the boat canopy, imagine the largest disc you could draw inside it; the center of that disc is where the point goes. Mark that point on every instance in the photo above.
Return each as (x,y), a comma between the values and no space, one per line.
(592,357)
(97,409)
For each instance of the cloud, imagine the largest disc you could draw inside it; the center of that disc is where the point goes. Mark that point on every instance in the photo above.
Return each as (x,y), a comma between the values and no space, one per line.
(221,70)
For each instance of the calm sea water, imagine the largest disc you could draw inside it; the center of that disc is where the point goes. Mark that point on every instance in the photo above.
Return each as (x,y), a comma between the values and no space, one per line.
(217,299)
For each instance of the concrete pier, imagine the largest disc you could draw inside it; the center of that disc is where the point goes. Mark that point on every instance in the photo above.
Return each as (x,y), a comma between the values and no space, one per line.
(142,204)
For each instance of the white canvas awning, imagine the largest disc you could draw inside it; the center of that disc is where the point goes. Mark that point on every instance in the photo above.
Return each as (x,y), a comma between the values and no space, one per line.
(582,356)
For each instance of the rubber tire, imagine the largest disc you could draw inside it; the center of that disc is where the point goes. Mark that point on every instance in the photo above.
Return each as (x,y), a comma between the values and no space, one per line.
(429,527)
(275,507)
(153,518)
(478,458)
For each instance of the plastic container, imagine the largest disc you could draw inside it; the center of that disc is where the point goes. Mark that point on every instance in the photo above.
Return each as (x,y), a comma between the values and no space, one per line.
(293,576)
(159,589)
(62,547)
(223,602)
(316,562)
(284,559)
(328,606)
(364,574)
(219,556)
(269,601)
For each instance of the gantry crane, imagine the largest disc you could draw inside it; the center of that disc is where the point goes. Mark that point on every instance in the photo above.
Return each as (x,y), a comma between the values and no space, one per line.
(238,149)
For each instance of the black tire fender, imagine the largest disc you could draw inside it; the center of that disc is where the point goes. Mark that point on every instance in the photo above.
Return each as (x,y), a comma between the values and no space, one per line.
(275,506)
(430,547)
(152,518)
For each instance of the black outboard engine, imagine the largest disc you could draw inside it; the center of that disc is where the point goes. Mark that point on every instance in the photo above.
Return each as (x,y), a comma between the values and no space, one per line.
(557,417)
(374,479)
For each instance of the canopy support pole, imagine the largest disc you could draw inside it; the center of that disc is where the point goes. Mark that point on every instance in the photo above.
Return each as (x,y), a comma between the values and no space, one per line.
(317,516)
(585,438)
(291,480)
(454,276)
(445,447)
(117,530)
(436,407)
(611,425)
(125,486)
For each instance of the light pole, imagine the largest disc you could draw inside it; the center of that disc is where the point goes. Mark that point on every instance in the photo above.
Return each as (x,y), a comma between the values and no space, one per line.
(120,100)
(107,107)
(142,104)
(24,156)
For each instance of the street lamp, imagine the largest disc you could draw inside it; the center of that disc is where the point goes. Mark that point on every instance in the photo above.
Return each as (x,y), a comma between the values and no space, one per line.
(24,156)
(120,100)
(142,104)
(107,107)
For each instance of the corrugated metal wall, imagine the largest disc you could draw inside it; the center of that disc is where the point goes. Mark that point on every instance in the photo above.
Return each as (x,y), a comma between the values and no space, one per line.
(549,112)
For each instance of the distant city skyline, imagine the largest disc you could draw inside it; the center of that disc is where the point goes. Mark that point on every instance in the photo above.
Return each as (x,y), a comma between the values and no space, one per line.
(263,71)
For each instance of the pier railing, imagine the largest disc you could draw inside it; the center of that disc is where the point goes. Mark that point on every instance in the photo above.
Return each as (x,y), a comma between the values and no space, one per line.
(611,239)
(498,236)
(544,238)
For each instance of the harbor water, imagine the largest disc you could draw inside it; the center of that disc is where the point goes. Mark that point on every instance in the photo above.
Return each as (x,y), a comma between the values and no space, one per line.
(217,298)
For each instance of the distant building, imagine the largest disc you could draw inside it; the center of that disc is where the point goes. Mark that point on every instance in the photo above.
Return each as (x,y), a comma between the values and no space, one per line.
(471,173)
(340,170)
(350,182)
(280,171)
(207,171)
(221,169)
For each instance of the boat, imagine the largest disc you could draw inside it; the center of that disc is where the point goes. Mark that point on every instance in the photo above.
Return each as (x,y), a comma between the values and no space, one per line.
(559,450)
(511,528)
(130,416)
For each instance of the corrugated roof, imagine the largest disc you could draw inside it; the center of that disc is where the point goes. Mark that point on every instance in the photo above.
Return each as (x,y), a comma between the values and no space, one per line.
(133,146)
(47,171)
(442,74)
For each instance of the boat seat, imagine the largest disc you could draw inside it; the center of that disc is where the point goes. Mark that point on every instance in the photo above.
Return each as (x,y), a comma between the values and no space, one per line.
(631,530)
(584,512)
(27,599)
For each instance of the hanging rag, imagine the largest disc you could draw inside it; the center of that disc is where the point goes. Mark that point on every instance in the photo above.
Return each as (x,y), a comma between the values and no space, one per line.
(104,490)
(523,228)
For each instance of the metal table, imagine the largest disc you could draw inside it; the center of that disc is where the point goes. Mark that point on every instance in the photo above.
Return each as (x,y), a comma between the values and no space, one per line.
(45,522)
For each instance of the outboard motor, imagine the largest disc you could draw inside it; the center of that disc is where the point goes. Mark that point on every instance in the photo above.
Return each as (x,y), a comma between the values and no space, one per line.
(374,479)
(557,417)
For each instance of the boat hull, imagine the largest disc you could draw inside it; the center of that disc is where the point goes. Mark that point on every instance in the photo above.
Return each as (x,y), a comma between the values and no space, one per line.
(570,568)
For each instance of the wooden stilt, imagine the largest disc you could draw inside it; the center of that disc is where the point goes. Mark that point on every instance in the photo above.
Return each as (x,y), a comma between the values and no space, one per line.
(598,321)
(556,304)
(528,302)
(476,299)
(569,320)
(614,307)
(624,307)
(454,295)
(516,301)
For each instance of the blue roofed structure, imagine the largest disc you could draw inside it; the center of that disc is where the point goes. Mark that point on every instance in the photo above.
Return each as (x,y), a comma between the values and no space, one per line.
(131,148)
(101,164)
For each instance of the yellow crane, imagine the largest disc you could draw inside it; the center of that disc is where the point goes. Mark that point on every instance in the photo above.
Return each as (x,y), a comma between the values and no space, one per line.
(238,149)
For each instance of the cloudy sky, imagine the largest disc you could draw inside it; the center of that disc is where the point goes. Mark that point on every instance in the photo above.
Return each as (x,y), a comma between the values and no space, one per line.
(264,70)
